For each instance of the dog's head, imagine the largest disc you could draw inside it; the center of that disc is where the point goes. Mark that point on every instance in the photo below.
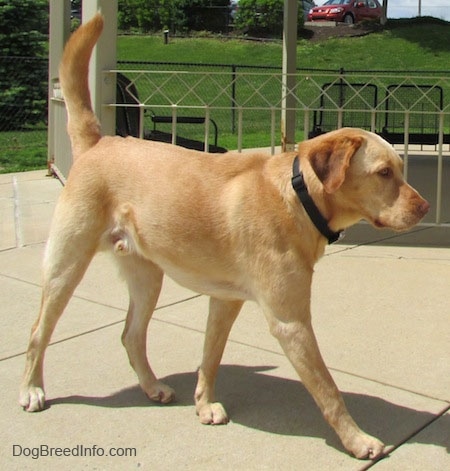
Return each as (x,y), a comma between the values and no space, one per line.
(362,178)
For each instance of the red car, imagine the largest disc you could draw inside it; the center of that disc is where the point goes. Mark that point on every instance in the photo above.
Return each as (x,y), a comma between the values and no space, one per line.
(347,11)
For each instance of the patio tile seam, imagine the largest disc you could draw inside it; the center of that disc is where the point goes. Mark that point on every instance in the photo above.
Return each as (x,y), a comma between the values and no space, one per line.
(343,248)
(96,329)
(17,213)
(7,249)
(389,385)
(392,448)
(337,370)
(24,246)
(231,340)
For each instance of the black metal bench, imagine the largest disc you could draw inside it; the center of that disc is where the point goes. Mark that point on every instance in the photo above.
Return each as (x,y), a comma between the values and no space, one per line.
(344,98)
(426,101)
(350,104)
(128,120)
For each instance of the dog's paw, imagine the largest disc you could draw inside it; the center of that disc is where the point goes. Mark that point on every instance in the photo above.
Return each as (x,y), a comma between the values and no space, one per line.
(212,413)
(364,447)
(32,399)
(160,392)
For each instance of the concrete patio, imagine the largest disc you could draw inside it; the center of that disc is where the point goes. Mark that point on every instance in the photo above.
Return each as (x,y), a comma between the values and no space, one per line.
(381,312)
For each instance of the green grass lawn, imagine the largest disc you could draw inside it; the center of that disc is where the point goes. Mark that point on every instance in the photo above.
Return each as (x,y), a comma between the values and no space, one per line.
(420,44)
(198,50)
(21,151)
(414,45)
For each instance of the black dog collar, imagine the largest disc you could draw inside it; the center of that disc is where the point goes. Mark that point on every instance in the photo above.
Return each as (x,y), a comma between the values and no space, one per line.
(314,214)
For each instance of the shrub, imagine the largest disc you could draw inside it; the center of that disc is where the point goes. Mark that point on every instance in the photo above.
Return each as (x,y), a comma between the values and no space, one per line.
(263,17)
(204,15)
(23,82)
(176,15)
(150,15)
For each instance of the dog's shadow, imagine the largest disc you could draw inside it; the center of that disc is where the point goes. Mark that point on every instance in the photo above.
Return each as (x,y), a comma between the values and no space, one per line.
(281,406)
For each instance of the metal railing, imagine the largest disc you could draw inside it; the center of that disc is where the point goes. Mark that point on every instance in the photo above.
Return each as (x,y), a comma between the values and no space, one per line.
(410,110)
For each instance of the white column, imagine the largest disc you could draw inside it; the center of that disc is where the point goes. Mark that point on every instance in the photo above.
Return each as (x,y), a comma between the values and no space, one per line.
(103,87)
(59,32)
(288,78)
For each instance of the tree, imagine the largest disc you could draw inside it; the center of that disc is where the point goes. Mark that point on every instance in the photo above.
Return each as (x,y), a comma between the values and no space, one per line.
(23,69)
(263,17)
(148,15)
(176,15)
(207,15)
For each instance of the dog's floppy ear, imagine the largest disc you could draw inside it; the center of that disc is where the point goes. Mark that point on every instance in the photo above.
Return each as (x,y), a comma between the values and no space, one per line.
(330,159)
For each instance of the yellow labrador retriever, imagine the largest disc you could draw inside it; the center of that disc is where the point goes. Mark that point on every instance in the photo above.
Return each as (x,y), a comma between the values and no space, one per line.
(234,227)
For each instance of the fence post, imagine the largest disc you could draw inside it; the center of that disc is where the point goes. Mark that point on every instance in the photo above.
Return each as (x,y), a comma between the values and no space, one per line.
(239,149)
(439,169)
(406,145)
(141,120)
(207,118)
(233,99)
(288,101)
(341,87)
(174,124)
(341,99)
(306,113)
(272,131)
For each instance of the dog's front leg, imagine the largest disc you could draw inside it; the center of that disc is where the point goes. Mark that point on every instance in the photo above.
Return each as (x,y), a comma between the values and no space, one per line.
(222,315)
(299,343)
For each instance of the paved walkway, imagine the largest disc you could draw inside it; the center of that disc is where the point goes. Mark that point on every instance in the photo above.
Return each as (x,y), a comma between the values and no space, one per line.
(381,314)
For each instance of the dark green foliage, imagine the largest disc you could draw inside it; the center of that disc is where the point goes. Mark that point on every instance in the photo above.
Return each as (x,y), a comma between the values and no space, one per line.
(263,17)
(212,15)
(23,69)
(148,15)
(175,15)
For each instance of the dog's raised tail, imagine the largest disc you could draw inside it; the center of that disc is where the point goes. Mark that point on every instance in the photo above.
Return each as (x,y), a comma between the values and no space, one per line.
(82,125)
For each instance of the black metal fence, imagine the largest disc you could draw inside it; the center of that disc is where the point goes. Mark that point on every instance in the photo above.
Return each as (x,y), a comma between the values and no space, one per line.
(23,92)
(399,106)
(243,101)
(23,112)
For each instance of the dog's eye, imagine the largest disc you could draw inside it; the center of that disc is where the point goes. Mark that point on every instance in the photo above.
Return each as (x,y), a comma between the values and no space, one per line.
(385,172)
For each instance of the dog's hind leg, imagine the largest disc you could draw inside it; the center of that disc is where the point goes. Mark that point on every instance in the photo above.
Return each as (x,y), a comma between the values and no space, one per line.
(222,315)
(144,281)
(69,250)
